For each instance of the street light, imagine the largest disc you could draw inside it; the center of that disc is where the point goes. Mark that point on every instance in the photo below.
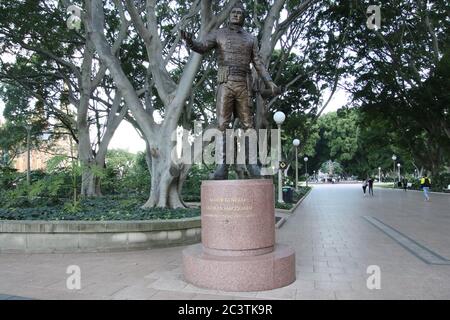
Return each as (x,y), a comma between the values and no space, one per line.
(306,169)
(394,157)
(279,118)
(296,143)
(28,128)
(399,165)
(379,174)
(5,157)
(314,175)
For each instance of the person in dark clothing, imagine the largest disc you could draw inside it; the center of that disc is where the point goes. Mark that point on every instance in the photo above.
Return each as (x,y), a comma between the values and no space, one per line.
(405,183)
(370,182)
(364,186)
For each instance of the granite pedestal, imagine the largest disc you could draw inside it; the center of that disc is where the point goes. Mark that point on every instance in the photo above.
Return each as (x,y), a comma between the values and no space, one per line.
(238,250)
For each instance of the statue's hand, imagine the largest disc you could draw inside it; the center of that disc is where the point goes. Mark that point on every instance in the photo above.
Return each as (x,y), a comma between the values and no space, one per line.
(186,36)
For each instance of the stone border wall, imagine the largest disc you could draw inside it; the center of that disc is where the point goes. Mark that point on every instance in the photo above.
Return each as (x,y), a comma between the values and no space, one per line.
(96,236)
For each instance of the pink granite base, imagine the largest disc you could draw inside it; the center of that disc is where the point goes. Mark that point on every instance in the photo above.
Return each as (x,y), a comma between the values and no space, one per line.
(252,273)
(238,214)
(238,250)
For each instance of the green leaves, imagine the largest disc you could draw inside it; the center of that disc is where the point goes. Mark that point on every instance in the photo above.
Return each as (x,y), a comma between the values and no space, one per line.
(98,209)
(339,132)
(56,163)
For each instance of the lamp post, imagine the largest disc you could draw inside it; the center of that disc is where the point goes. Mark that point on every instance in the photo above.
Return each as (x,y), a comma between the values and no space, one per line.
(306,169)
(314,175)
(279,118)
(28,128)
(379,174)
(399,165)
(5,157)
(394,157)
(415,174)
(296,143)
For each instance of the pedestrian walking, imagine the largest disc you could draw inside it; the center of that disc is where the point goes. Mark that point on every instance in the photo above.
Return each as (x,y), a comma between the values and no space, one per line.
(425,184)
(405,183)
(364,187)
(370,183)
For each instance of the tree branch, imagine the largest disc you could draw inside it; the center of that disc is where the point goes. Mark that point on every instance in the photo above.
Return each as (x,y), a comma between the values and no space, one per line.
(95,27)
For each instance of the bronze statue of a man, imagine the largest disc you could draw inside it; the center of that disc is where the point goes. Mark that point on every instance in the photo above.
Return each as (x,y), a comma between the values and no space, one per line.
(235,50)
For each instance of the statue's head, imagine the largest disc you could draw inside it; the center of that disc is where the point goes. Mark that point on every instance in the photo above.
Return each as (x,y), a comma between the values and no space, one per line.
(237,14)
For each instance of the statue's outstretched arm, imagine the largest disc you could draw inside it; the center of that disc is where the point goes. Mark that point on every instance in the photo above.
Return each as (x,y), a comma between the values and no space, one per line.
(199,46)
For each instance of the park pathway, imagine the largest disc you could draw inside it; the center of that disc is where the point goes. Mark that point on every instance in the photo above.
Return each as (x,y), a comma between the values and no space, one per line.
(337,235)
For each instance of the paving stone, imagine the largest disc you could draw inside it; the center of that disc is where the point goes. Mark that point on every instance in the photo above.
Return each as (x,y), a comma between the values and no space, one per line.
(135,292)
(334,245)
(329,270)
(193,289)
(314,276)
(281,293)
(172,295)
(168,284)
(333,285)
(303,285)
(202,296)
(315,295)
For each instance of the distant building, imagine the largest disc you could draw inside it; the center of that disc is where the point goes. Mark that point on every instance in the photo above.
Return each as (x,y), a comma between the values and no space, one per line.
(39,158)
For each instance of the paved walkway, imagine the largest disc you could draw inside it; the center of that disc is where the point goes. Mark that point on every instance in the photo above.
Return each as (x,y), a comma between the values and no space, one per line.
(336,233)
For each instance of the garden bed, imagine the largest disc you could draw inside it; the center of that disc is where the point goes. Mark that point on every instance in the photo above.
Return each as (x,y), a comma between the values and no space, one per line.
(42,224)
(298,195)
(94,209)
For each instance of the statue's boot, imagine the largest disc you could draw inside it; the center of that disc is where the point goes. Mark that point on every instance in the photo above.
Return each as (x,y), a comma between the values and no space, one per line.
(253,169)
(221,172)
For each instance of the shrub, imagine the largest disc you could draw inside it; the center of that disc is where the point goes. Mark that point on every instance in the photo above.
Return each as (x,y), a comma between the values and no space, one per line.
(97,209)
(298,194)
(125,173)
(285,206)
(8,178)
(192,185)
(440,181)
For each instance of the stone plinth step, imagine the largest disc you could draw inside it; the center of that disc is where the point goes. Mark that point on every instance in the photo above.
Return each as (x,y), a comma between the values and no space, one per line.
(239,273)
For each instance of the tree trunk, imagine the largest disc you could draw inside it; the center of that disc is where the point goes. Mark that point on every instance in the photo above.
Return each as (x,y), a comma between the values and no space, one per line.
(87,182)
(261,113)
(100,162)
(88,185)
(165,191)
(84,142)
(90,181)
